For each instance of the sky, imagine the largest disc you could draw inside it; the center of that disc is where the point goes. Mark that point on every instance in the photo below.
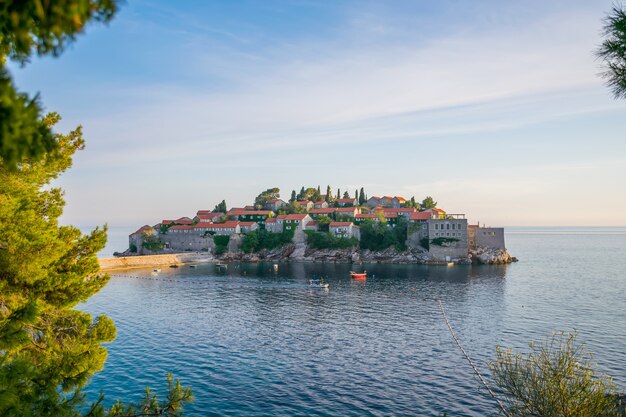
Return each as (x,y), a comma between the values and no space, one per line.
(495,109)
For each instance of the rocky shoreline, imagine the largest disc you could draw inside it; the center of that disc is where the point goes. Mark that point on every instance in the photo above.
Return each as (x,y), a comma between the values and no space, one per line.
(294,252)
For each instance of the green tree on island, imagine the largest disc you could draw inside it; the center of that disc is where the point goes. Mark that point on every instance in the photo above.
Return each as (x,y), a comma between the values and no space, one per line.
(270,194)
(428,203)
(221,207)
(329,194)
(293,196)
(48,349)
(362,198)
(612,51)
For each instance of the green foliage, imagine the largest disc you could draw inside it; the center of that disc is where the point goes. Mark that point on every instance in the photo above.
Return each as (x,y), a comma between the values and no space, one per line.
(428,203)
(32,26)
(612,51)
(362,198)
(329,194)
(379,236)
(262,239)
(46,27)
(132,248)
(413,204)
(557,378)
(323,240)
(322,222)
(425,243)
(293,196)
(46,270)
(221,207)
(48,350)
(221,244)
(23,131)
(443,241)
(150,405)
(270,194)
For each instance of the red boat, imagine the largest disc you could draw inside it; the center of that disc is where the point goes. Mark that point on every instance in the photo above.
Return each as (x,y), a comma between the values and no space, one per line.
(356,275)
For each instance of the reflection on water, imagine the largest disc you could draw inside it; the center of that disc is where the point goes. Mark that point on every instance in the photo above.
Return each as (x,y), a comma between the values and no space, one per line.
(250,341)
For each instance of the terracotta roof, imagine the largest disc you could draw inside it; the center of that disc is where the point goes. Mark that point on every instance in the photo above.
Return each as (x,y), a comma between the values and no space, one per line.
(280,216)
(182,227)
(202,225)
(323,210)
(339,224)
(345,200)
(366,216)
(303,203)
(311,224)
(400,210)
(203,212)
(272,220)
(421,215)
(249,212)
(246,224)
(208,216)
(345,209)
(225,225)
(141,230)
(401,199)
(295,216)
(440,211)
(390,215)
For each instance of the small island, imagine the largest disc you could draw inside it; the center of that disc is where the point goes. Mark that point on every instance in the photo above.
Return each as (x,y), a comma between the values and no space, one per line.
(317,227)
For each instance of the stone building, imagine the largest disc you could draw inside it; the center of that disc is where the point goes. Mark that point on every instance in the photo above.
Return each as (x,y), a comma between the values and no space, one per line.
(486,237)
(344,229)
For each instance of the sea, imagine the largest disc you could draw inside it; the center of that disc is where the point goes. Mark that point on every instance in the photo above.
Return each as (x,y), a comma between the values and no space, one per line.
(254,341)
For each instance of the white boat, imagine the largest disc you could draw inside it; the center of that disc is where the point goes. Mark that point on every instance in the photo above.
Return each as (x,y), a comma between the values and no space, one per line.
(318,283)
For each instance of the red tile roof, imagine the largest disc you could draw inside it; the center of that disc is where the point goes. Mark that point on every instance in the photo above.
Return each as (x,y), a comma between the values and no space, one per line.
(400,210)
(366,216)
(250,212)
(421,215)
(329,210)
(295,216)
(226,225)
(440,211)
(272,220)
(179,227)
(311,224)
(390,215)
(345,200)
(346,209)
(246,224)
(203,212)
(141,230)
(303,203)
(339,224)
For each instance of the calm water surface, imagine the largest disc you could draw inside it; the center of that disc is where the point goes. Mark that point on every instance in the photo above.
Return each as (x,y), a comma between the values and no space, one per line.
(251,342)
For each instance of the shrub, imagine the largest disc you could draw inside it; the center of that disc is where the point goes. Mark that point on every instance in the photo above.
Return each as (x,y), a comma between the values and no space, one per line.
(323,240)
(443,241)
(555,379)
(221,244)
(262,239)
(380,236)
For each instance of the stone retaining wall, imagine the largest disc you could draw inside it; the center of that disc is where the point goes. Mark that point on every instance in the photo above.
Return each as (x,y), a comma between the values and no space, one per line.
(148,261)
